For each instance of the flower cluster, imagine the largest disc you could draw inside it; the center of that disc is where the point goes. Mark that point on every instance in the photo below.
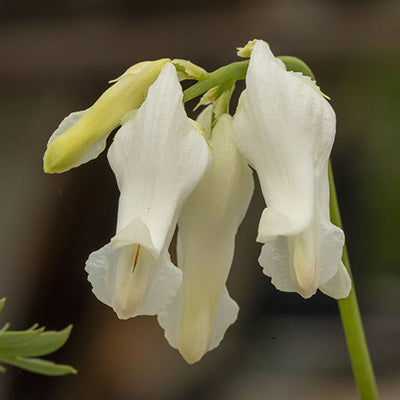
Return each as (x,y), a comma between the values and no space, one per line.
(195,175)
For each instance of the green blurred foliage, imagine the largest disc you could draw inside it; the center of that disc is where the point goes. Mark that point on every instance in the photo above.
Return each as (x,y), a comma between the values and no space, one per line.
(368,142)
(18,347)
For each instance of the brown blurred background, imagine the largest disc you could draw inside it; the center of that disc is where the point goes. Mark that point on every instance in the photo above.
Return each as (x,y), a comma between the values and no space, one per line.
(56,57)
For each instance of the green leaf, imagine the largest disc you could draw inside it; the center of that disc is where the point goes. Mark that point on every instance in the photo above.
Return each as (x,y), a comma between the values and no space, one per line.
(41,366)
(16,347)
(16,339)
(2,302)
(45,343)
(33,327)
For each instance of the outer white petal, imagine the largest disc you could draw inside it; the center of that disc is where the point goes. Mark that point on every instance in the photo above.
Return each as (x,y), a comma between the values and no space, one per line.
(339,286)
(158,159)
(283,127)
(92,152)
(202,310)
(334,279)
(274,259)
(150,287)
(330,250)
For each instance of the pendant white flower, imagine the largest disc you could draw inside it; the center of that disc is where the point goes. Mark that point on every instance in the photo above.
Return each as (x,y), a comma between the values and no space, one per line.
(202,310)
(285,129)
(158,158)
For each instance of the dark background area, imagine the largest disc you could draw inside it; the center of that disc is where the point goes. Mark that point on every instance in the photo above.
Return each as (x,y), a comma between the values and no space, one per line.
(57,57)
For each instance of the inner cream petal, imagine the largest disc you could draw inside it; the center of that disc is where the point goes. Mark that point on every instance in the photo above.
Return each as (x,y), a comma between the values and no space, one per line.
(303,262)
(135,268)
(199,307)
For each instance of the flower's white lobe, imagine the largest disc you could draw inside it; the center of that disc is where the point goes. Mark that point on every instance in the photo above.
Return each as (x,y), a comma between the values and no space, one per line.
(158,158)
(132,290)
(202,310)
(285,129)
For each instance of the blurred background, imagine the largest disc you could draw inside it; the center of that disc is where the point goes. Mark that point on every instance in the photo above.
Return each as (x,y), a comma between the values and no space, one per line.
(56,57)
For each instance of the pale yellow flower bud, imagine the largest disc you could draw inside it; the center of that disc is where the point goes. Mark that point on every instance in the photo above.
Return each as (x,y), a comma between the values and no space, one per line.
(68,149)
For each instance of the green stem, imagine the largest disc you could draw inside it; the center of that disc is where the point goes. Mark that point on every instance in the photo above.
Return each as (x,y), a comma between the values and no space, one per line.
(234,72)
(237,71)
(351,319)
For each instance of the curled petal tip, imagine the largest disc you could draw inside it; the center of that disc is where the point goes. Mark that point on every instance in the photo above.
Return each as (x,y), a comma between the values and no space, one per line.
(194,340)
(307,292)
(193,354)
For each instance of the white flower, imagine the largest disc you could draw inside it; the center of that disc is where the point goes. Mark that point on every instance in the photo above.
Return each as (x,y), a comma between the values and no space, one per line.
(202,310)
(285,129)
(158,158)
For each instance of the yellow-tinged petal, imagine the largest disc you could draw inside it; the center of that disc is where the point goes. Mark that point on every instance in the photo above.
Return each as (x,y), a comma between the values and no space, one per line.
(134,69)
(245,51)
(207,98)
(68,149)
(202,310)
(188,70)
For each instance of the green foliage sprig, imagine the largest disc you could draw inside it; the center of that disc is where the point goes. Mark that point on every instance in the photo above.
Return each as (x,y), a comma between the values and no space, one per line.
(20,348)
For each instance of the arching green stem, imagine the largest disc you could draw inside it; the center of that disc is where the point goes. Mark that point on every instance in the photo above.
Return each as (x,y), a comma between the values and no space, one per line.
(297,65)
(233,72)
(351,320)
(237,71)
